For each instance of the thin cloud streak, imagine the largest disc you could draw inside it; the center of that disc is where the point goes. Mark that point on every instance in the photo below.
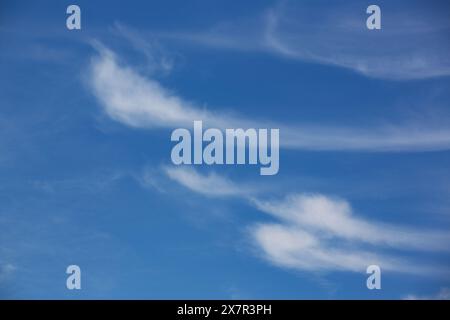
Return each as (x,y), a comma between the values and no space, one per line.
(443,294)
(209,185)
(412,43)
(405,48)
(141,102)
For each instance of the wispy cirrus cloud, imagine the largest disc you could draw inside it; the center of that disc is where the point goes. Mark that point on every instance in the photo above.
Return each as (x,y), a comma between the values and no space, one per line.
(314,232)
(443,294)
(292,247)
(209,185)
(157,58)
(407,47)
(412,43)
(138,101)
(141,102)
(334,217)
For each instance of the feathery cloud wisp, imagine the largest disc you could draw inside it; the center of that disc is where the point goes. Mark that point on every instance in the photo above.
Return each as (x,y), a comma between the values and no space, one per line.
(405,48)
(142,102)
(316,232)
(412,43)
(334,217)
(443,294)
(292,247)
(209,185)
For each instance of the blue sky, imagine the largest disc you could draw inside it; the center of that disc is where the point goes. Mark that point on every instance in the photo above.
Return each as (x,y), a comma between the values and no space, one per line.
(86,176)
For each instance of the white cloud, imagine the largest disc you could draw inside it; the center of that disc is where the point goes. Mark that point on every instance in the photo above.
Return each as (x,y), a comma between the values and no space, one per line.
(443,294)
(292,247)
(412,43)
(321,233)
(210,185)
(136,101)
(334,218)
(414,137)
(316,232)
(141,102)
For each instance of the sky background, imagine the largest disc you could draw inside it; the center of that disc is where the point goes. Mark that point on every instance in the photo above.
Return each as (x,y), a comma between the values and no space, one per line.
(86,176)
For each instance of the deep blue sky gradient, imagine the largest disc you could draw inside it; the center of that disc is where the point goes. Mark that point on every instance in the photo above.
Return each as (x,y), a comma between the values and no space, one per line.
(69,175)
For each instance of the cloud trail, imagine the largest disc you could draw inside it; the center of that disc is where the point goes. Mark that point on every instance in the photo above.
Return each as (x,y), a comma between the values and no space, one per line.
(141,102)
(405,48)
(412,43)
(315,232)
